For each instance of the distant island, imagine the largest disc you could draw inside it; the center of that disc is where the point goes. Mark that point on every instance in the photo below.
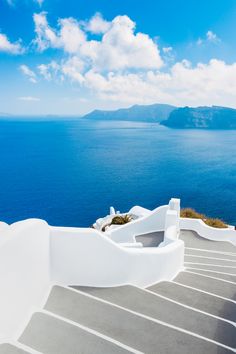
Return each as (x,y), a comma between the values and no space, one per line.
(170,116)
(202,118)
(154,113)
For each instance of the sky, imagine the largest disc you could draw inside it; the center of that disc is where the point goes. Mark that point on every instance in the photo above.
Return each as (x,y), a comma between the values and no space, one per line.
(70,57)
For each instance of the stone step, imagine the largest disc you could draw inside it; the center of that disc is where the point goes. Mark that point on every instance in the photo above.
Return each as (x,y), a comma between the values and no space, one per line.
(7,348)
(162,309)
(197,299)
(193,240)
(219,255)
(205,283)
(129,328)
(51,335)
(207,260)
(214,274)
(215,268)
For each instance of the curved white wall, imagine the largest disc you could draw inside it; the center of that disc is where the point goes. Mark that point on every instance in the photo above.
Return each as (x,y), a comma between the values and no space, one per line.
(154,221)
(87,257)
(205,231)
(24,272)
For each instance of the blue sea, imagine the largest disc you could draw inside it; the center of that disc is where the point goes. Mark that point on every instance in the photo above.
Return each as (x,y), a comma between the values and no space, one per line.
(69,171)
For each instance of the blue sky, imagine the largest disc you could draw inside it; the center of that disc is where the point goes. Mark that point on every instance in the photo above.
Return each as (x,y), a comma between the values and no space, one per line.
(70,57)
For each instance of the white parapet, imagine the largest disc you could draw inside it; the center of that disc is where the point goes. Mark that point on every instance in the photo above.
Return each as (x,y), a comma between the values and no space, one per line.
(24,272)
(151,222)
(88,257)
(208,232)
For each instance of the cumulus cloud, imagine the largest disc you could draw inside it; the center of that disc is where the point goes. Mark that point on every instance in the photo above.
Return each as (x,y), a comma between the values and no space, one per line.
(97,24)
(29,99)
(29,73)
(119,48)
(8,47)
(125,66)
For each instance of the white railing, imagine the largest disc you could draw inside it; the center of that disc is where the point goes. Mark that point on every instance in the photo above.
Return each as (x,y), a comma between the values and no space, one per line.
(208,232)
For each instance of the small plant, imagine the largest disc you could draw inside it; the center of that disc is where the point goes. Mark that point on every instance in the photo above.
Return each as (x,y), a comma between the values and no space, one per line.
(118,220)
(215,223)
(121,220)
(191,213)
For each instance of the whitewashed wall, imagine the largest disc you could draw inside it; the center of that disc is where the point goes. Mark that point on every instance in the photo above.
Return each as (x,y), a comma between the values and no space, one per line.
(24,272)
(154,221)
(208,232)
(87,257)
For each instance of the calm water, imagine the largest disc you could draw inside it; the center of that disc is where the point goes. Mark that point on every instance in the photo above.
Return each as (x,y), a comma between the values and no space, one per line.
(69,172)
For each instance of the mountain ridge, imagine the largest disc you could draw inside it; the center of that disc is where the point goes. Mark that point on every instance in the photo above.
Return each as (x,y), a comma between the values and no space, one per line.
(203,117)
(142,113)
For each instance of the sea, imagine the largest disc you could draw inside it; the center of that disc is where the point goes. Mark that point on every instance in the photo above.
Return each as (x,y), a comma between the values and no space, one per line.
(69,171)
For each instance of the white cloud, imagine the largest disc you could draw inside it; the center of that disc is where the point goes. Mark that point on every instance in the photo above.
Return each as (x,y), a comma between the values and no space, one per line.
(8,47)
(97,24)
(167,49)
(29,73)
(29,99)
(40,2)
(45,36)
(49,71)
(126,67)
(119,48)
(210,37)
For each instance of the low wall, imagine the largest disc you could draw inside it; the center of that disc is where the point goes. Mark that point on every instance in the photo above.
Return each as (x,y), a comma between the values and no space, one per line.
(87,257)
(208,232)
(155,221)
(24,272)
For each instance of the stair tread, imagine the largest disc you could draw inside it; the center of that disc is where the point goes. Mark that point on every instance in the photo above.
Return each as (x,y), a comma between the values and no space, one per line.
(214,274)
(193,240)
(135,331)
(215,254)
(143,302)
(199,300)
(210,261)
(7,348)
(215,268)
(51,335)
(201,282)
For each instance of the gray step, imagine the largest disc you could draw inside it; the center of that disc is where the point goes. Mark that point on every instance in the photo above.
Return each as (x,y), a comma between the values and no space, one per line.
(151,305)
(196,252)
(214,274)
(205,260)
(128,328)
(193,240)
(213,286)
(152,239)
(50,335)
(204,302)
(10,349)
(215,268)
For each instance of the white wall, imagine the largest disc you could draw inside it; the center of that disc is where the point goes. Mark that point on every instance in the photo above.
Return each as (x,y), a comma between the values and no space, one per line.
(24,272)
(205,231)
(155,221)
(87,257)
